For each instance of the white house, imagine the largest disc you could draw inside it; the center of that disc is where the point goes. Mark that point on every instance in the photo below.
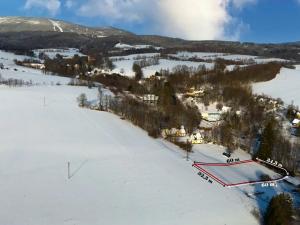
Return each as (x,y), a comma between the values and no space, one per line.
(296,123)
(150,99)
(211,116)
(182,132)
(173,132)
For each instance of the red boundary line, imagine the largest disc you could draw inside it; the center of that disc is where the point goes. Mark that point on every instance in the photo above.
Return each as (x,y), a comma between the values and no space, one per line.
(198,166)
(211,175)
(223,164)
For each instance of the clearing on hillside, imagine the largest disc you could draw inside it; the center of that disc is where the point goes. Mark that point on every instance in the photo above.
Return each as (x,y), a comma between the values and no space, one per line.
(238,173)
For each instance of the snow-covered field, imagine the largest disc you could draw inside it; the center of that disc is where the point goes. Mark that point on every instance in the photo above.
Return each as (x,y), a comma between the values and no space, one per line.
(11,70)
(65,53)
(166,64)
(286,86)
(8,57)
(127,46)
(125,63)
(210,155)
(255,195)
(234,57)
(134,57)
(239,173)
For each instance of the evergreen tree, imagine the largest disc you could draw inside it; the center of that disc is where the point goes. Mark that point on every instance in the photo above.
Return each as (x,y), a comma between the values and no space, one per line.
(82,100)
(280,210)
(220,65)
(267,141)
(138,71)
(167,96)
(290,114)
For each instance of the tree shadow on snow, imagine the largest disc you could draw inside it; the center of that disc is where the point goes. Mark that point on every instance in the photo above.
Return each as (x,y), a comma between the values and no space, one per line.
(263,193)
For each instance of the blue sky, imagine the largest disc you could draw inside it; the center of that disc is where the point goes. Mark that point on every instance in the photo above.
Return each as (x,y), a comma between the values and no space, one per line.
(244,20)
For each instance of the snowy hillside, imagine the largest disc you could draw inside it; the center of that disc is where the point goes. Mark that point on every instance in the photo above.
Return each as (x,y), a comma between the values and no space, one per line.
(118,174)
(11,70)
(284,86)
(19,24)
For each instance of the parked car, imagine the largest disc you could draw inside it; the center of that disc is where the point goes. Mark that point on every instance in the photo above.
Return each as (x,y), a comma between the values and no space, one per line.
(227,154)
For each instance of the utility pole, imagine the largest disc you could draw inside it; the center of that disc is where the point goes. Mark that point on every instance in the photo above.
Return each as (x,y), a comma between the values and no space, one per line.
(44,101)
(69,174)
(187,150)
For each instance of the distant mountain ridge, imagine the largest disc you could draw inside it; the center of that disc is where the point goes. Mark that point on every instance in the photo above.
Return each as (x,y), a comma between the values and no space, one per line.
(24,24)
(27,33)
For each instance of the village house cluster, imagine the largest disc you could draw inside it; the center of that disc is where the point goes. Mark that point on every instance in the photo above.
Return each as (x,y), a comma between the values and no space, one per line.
(181,135)
(211,118)
(269,103)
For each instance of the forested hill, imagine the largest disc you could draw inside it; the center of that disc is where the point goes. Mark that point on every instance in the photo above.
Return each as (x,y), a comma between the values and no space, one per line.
(20,33)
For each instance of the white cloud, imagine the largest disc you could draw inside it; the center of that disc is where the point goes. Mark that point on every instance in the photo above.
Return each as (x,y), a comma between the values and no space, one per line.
(190,19)
(241,3)
(194,19)
(52,6)
(114,9)
(69,4)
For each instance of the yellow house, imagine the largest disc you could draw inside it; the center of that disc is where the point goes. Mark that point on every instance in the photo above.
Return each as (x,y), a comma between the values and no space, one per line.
(196,138)
(194,93)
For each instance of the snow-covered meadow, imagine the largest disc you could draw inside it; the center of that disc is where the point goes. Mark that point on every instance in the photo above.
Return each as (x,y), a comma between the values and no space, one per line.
(11,70)
(286,86)
(226,56)
(124,64)
(65,53)
(127,46)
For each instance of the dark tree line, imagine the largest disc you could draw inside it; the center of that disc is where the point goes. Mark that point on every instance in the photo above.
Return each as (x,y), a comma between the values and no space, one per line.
(119,84)
(169,112)
(77,65)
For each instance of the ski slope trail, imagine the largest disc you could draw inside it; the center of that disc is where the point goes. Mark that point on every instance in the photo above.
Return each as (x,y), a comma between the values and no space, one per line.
(120,175)
(56,26)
